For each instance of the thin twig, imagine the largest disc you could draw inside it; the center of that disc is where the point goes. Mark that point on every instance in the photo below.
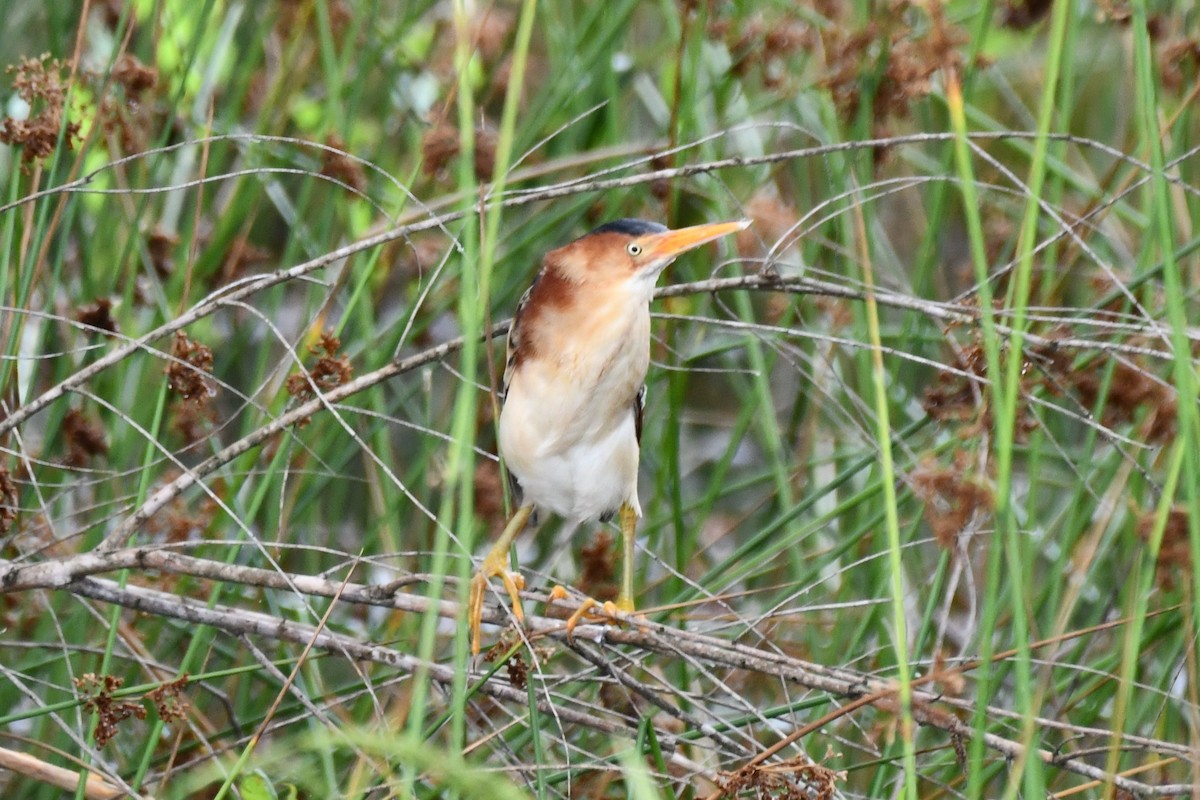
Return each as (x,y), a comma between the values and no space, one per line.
(646,636)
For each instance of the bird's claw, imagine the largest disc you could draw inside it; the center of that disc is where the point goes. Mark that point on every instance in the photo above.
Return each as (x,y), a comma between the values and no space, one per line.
(609,612)
(513,582)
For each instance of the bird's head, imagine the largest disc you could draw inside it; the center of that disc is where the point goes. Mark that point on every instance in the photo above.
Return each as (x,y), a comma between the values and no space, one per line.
(632,251)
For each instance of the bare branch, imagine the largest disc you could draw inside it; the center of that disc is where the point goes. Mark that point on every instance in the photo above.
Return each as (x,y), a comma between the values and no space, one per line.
(73,575)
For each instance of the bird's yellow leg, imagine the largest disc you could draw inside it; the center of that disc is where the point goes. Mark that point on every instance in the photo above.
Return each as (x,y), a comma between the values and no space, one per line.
(496,565)
(624,604)
(629,520)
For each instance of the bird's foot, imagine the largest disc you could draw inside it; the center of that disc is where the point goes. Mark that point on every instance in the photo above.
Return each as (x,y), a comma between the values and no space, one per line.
(493,567)
(592,610)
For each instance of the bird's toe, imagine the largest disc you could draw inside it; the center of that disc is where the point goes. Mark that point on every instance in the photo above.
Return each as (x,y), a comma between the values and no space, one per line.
(593,611)
(513,583)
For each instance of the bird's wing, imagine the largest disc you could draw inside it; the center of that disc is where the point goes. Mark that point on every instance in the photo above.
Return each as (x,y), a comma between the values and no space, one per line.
(639,405)
(513,342)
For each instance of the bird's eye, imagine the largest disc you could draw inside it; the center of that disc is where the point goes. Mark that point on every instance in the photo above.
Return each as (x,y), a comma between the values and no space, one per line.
(633,248)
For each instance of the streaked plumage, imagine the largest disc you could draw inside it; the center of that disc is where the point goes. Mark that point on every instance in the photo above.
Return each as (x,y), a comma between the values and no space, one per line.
(574,386)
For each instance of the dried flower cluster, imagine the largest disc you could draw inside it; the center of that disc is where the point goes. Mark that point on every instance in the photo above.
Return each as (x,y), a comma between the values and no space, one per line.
(98,691)
(1175,552)
(98,696)
(8,500)
(892,55)
(331,370)
(42,83)
(85,438)
(189,373)
(793,779)
(189,376)
(98,315)
(951,500)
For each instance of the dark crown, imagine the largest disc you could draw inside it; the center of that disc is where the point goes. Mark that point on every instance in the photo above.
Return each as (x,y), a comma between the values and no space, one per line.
(630,227)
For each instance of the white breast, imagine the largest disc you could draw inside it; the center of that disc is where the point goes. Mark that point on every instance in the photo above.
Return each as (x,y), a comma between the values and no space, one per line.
(579,482)
(567,427)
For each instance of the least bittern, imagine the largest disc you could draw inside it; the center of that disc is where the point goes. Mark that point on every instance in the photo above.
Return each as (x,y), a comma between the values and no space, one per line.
(574,388)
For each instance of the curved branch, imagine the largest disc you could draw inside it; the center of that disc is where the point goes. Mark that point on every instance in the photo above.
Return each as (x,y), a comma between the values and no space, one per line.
(74,574)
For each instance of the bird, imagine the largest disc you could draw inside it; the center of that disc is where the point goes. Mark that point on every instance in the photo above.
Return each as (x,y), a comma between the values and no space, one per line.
(573,391)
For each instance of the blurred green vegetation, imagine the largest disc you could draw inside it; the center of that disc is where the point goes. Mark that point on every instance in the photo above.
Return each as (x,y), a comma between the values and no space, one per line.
(164,154)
